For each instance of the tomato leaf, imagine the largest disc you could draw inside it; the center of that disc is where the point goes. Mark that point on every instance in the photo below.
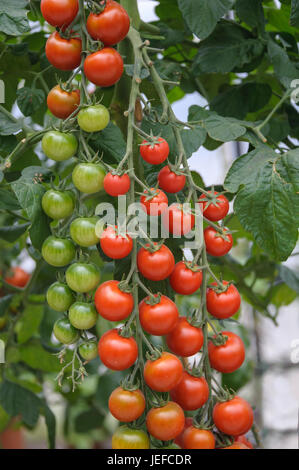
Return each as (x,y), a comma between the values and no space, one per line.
(35,356)
(8,200)
(29,100)
(17,400)
(111,141)
(4,304)
(29,323)
(8,126)
(88,420)
(251,13)
(291,278)
(285,70)
(295,13)
(51,425)
(13,17)
(13,232)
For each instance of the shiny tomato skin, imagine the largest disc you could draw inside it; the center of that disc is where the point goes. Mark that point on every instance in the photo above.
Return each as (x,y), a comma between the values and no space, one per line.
(115,245)
(126,405)
(155,266)
(225,304)
(178,221)
(63,103)
(167,422)
(164,373)
(64,331)
(112,303)
(243,440)
(237,445)
(191,392)
(93,118)
(88,177)
(117,185)
(117,352)
(170,181)
(158,319)
(17,277)
(128,438)
(215,244)
(59,13)
(64,54)
(58,204)
(59,146)
(230,356)
(155,154)
(157,204)
(83,231)
(179,439)
(233,417)
(88,350)
(183,280)
(185,339)
(58,252)
(110,26)
(194,438)
(82,277)
(211,211)
(104,68)
(82,315)
(60,297)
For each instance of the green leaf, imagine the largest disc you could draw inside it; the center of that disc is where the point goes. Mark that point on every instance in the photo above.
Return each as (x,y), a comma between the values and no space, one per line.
(295,13)
(51,425)
(4,304)
(40,229)
(202,15)
(89,420)
(17,400)
(251,13)
(8,126)
(29,195)
(240,377)
(282,294)
(13,17)
(36,357)
(291,278)
(13,232)
(129,68)
(8,200)
(29,323)
(29,100)
(283,67)
(4,419)
(111,142)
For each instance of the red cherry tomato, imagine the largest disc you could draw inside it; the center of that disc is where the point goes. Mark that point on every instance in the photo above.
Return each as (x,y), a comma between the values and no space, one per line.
(233,417)
(154,153)
(165,423)
(158,318)
(117,352)
(59,13)
(194,438)
(179,439)
(155,266)
(185,280)
(243,440)
(224,304)
(104,68)
(164,373)
(126,405)
(63,103)
(191,392)
(110,26)
(154,204)
(170,181)
(228,357)
(216,243)
(64,54)
(212,211)
(112,303)
(115,245)
(185,340)
(117,185)
(17,277)
(178,220)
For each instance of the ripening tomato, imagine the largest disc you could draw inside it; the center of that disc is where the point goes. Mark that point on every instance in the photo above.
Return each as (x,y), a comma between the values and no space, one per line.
(59,13)
(178,220)
(63,103)
(110,26)
(93,118)
(88,177)
(58,204)
(128,438)
(170,181)
(179,439)
(64,54)
(185,339)
(59,146)
(82,315)
(60,297)
(164,373)
(154,203)
(185,278)
(155,266)
(65,332)
(237,445)
(82,277)
(114,244)
(228,357)
(112,303)
(117,352)
(88,350)
(214,211)
(58,251)
(191,392)
(217,244)
(83,231)
(158,318)
(117,185)
(17,277)
(166,422)
(194,438)
(243,440)
(104,68)
(154,152)
(233,417)
(224,304)
(126,405)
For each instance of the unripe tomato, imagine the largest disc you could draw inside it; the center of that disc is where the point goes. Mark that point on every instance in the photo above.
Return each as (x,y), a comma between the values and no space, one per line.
(117,352)
(154,153)
(233,417)
(178,220)
(88,177)
(115,245)
(60,297)
(104,68)
(110,26)
(83,231)
(211,211)
(17,277)
(82,315)
(82,277)
(64,54)
(164,373)
(117,185)
(155,266)
(228,357)
(58,251)
(59,13)
(128,438)
(159,318)
(59,146)
(126,405)
(93,118)
(113,303)
(65,332)
(58,204)
(224,304)
(194,438)
(88,350)
(185,339)
(184,279)
(167,422)
(63,103)
(191,392)
(216,243)
(154,204)
(170,181)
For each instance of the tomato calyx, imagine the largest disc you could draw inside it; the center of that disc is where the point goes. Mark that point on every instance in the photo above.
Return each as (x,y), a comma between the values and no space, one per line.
(152,141)
(154,353)
(192,266)
(153,299)
(220,287)
(97,8)
(219,340)
(124,286)
(129,384)
(153,247)
(223,440)
(222,232)
(150,193)
(211,198)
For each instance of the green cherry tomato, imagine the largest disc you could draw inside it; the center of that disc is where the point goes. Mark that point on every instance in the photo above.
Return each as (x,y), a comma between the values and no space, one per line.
(82,277)
(58,204)
(88,350)
(83,315)
(89,177)
(128,438)
(60,297)
(59,146)
(65,332)
(83,231)
(93,118)
(58,251)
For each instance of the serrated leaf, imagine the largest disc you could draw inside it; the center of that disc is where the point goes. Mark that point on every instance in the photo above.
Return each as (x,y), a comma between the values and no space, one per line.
(13,17)
(29,195)
(251,13)
(290,277)
(8,200)
(30,321)
(35,356)
(283,67)
(13,232)
(111,142)
(8,126)
(29,100)
(17,400)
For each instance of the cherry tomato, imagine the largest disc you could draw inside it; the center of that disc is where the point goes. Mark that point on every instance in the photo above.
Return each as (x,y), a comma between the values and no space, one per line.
(60,297)
(65,332)
(179,439)
(93,118)
(17,277)
(216,243)
(128,438)
(88,177)
(112,303)
(178,220)
(126,405)
(191,392)
(115,245)
(165,423)
(233,417)
(170,181)
(63,103)
(88,350)
(237,445)
(104,68)
(164,373)
(154,153)
(243,440)
(230,356)
(58,204)
(158,318)
(215,212)
(224,304)
(64,54)
(155,266)
(185,278)
(59,13)
(117,185)
(110,26)
(82,315)
(82,277)
(117,352)
(58,251)
(155,203)
(194,438)
(185,339)
(59,146)
(83,231)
